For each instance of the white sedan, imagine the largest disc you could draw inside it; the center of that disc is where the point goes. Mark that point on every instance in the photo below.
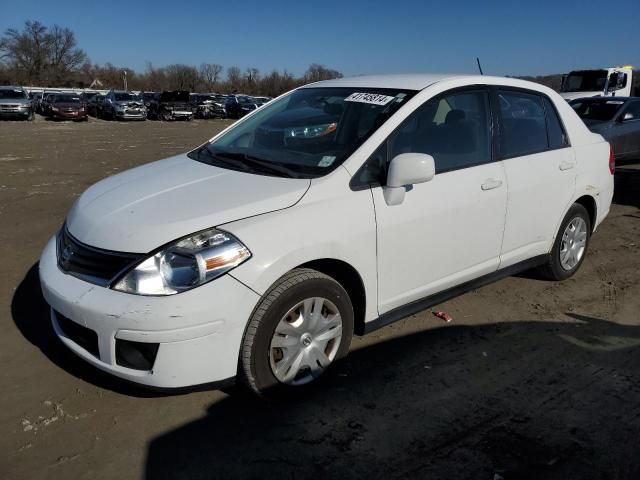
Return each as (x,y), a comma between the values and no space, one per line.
(334,210)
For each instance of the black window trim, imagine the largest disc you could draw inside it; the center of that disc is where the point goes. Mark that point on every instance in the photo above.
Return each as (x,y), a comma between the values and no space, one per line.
(495,89)
(479,87)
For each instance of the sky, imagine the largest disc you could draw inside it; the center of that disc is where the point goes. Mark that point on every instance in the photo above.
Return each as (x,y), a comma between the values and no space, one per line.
(358,37)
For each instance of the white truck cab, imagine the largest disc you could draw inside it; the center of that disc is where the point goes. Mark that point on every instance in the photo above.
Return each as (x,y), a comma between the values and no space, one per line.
(603,82)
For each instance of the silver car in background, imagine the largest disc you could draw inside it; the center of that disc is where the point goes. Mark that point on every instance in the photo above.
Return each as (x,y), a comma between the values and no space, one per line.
(123,105)
(15,103)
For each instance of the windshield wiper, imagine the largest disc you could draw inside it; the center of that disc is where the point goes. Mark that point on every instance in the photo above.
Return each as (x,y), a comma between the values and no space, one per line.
(258,164)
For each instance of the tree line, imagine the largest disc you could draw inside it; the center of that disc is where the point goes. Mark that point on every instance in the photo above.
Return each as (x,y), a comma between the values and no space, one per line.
(43,56)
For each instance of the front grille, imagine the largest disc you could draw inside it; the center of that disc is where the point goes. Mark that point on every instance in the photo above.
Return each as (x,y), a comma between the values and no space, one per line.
(89,263)
(82,336)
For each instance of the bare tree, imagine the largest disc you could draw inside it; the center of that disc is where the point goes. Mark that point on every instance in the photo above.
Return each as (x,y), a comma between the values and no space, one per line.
(26,50)
(234,78)
(41,54)
(317,73)
(63,55)
(210,75)
(181,77)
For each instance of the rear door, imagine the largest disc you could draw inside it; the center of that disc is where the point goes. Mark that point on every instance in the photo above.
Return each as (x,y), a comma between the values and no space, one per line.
(448,230)
(540,168)
(628,131)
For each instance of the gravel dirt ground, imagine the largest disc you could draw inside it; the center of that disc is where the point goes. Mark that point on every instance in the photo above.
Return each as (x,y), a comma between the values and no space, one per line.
(531,379)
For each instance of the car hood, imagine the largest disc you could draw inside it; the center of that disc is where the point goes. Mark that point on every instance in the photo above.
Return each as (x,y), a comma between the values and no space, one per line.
(149,206)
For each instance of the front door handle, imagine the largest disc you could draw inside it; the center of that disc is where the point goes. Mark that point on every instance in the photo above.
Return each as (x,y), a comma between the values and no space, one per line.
(566,165)
(491,183)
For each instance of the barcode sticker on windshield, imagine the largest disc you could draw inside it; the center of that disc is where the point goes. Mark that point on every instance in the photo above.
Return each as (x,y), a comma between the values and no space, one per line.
(371,98)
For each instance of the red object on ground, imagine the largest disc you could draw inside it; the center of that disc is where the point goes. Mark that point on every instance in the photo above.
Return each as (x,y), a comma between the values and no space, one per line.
(443,315)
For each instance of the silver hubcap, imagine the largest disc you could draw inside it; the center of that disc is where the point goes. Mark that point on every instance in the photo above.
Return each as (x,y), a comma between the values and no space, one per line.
(574,240)
(306,341)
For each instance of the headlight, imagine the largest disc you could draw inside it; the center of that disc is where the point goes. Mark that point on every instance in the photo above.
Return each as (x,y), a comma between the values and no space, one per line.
(311,132)
(55,109)
(185,264)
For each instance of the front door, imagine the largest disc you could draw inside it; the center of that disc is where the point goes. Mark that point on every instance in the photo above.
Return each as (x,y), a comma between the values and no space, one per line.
(448,230)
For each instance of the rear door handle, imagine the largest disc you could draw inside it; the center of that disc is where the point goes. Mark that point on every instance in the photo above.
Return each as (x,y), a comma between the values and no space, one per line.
(566,165)
(491,183)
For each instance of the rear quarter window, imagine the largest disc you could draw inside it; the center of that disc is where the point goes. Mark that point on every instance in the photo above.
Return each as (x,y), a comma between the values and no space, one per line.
(556,132)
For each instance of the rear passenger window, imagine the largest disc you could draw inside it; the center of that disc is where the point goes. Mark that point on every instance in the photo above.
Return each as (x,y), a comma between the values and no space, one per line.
(523,124)
(453,129)
(557,136)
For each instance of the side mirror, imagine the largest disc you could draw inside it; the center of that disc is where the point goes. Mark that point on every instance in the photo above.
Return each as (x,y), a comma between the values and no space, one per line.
(407,169)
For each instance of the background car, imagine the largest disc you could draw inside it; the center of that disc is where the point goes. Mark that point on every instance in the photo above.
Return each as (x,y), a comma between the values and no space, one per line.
(15,103)
(208,105)
(122,105)
(93,104)
(171,105)
(68,106)
(47,101)
(617,119)
(238,106)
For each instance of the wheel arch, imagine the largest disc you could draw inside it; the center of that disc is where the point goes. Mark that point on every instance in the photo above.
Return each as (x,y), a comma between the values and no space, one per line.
(588,202)
(347,276)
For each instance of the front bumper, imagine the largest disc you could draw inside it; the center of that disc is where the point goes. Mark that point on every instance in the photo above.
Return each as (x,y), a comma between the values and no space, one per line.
(69,115)
(130,115)
(14,112)
(199,332)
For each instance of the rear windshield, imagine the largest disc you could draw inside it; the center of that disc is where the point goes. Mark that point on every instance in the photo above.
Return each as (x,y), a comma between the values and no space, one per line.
(597,110)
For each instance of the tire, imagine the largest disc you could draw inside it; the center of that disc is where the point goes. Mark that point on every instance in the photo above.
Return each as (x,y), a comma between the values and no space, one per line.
(260,359)
(559,266)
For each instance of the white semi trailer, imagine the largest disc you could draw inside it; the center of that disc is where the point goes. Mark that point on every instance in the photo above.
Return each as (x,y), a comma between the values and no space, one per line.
(603,82)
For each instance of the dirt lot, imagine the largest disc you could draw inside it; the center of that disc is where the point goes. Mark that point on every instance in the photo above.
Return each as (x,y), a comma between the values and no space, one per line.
(531,379)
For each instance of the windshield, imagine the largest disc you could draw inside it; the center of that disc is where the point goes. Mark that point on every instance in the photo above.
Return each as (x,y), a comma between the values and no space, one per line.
(305,134)
(121,97)
(13,94)
(67,99)
(598,110)
(246,100)
(587,81)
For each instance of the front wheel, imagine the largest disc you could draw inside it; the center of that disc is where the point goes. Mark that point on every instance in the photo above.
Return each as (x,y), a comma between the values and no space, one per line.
(570,245)
(302,326)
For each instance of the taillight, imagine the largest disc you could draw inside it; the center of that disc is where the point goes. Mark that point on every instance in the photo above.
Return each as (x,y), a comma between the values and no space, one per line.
(612,161)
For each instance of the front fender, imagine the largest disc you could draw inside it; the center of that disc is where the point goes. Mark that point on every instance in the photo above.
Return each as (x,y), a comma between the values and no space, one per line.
(330,222)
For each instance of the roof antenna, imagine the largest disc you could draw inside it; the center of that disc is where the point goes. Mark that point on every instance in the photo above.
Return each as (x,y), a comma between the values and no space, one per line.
(479,67)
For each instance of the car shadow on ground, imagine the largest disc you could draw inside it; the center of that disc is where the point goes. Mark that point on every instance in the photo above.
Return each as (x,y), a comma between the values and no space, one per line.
(627,186)
(30,313)
(524,400)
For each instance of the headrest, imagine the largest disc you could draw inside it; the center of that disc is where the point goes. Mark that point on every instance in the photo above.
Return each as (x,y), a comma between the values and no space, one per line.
(454,116)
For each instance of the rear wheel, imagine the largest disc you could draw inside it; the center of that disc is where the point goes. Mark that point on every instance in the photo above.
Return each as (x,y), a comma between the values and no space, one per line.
(303,325)
(570,246)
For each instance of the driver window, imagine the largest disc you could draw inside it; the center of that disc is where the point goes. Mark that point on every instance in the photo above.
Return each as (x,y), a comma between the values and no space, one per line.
(453,129)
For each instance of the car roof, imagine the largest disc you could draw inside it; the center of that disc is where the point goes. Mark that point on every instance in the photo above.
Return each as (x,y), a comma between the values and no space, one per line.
(420,81)
(416,81)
